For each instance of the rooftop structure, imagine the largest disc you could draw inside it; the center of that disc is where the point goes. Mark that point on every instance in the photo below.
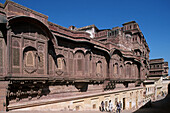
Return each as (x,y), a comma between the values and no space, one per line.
(158,68)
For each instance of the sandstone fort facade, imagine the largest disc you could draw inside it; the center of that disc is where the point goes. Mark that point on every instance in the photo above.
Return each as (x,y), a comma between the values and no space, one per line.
(42,61)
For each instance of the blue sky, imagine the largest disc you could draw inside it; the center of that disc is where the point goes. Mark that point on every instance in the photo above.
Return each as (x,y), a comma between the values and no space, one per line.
(153,17)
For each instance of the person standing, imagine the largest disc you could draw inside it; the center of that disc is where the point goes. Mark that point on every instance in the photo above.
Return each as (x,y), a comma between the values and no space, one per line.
(120,106)
(102,106)
(110,106)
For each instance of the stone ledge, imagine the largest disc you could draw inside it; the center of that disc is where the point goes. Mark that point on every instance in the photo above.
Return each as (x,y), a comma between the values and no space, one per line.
(52,101)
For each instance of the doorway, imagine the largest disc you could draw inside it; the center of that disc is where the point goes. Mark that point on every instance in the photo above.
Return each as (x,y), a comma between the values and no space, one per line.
(168,88)
(136,102)
(130,105)
(124,104)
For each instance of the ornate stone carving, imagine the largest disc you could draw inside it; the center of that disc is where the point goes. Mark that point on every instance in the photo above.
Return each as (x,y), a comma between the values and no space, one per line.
(41,60)
(1,54)
(16,57)
(30,58)
(61,66)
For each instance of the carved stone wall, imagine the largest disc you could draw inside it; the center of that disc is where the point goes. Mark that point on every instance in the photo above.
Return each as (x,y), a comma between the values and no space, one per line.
(1,55)
(43,58)
(16,55)
(29,53)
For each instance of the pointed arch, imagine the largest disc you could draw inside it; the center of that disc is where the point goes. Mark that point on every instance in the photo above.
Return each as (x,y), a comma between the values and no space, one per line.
(116,51)
(79,61)
(128,69)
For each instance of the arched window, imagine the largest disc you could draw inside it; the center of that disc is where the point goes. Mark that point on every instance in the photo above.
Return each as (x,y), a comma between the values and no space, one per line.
(79,61)
(138,52)
(121,70)
(99,68)
(15,57)
(1,53)
(71,63)
(51,62)
(87,62)
(136,71)
(16,53)
(115,69)
(59,63)
(30,59)
(41,60)
(128,70)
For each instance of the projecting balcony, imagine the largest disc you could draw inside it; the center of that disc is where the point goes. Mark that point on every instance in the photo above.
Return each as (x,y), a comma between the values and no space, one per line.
(156,72)
(156,69)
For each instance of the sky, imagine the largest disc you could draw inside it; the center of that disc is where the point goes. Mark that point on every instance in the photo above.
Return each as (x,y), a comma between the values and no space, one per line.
(153,17)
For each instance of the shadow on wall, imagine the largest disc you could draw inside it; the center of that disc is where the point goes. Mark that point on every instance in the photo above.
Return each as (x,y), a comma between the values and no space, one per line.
(168,88)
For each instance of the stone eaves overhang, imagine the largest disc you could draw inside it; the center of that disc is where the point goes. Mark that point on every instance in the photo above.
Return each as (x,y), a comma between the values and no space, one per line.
(77,36)
(3,19)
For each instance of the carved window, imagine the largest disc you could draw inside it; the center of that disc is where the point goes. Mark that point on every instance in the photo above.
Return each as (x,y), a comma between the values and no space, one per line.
(79,62)
(115,68)
(59,63)
(136,71)
(130,26)
(16,54)
(128,69)
(1,53)
(99,68)
(30,59)
(15,57)
(87,62)
(71,63)
(134,26)
(41,60)
(50,63)
(16,61)
(121,70)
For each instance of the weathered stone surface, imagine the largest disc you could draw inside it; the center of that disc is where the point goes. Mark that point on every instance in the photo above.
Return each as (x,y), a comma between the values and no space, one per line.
(43,61)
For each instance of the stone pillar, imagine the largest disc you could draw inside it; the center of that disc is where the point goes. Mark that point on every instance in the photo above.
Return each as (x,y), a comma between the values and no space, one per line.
(87,104)
(155,92)
(3,93)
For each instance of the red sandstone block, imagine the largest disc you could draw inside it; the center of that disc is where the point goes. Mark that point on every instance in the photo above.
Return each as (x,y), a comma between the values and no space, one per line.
(3,92)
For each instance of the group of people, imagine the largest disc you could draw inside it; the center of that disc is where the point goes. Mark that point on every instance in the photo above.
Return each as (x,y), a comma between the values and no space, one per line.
(110,107)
